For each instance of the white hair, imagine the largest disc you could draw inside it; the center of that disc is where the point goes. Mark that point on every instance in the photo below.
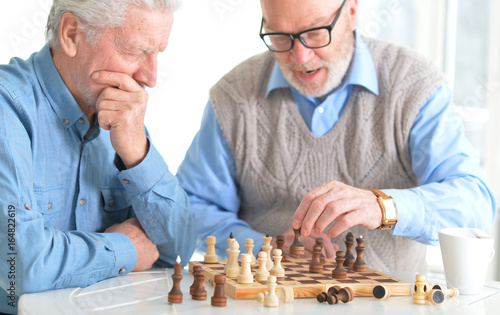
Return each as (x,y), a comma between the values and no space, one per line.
(96,15)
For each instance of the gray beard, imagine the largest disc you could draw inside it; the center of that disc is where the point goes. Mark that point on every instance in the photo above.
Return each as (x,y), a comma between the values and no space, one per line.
(336,72)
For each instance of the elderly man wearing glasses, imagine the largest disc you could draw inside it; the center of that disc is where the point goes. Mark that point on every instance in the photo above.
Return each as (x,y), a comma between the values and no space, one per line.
(332,132)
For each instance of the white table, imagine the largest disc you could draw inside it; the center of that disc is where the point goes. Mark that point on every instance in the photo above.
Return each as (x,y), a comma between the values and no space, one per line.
(146,293)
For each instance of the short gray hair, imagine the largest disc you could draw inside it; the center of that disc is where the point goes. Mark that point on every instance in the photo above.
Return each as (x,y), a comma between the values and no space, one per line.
(96,15)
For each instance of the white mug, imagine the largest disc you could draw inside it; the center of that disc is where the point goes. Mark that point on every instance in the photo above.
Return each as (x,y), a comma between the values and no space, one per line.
(466,255)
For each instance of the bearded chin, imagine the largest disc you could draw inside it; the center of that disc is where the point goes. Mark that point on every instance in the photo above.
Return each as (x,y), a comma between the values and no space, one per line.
(336,71)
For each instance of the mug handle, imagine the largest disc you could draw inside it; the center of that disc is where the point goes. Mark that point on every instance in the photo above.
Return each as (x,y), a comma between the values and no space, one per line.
(492,254)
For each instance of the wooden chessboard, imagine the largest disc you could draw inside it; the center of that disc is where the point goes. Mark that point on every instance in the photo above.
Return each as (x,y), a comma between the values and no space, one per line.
(304,283)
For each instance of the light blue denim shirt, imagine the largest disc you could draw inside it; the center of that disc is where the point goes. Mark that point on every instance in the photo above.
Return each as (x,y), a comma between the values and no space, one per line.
(59,191)
(451,192)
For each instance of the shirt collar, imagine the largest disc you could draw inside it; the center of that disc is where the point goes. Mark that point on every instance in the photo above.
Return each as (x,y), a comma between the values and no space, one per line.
(361,71)
(60,98)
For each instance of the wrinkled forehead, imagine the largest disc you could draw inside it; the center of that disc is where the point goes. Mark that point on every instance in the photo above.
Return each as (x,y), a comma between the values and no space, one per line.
(295,15)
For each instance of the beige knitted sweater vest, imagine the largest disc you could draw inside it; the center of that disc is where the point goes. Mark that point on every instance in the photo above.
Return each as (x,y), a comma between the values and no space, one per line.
(278,160)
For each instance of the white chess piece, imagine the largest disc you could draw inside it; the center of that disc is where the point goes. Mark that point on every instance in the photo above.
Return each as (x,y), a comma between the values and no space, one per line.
(278,269)
(262,273)
(267,248)
(271,299)
(245,276)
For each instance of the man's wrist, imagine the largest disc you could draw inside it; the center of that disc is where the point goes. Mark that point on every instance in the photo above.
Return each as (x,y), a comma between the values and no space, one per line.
(388,209)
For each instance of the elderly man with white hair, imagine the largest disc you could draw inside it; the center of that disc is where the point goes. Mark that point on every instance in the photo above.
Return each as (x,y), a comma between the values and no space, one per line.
(84,194)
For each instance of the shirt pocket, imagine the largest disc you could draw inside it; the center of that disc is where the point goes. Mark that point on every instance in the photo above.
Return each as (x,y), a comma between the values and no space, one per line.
(51,203)
(117,207)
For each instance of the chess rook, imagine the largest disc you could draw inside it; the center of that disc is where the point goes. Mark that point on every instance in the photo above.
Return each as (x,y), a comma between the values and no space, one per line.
(210,256)
(420,296)
(297,248)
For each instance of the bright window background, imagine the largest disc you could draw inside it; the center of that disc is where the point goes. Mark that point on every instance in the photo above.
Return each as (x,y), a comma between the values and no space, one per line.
(212,36)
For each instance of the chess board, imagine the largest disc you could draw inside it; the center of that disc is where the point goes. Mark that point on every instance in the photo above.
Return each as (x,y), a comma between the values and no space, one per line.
(304,283)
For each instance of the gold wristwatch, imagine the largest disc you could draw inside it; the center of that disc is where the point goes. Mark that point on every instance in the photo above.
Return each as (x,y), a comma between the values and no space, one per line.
(389,210)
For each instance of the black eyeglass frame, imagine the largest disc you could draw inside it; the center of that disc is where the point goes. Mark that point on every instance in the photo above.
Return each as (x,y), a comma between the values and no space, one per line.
(299,35)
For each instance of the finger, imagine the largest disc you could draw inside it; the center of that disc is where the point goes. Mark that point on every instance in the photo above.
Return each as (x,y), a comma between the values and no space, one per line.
(116,79)
(332,211)
(344,222)
(306,202)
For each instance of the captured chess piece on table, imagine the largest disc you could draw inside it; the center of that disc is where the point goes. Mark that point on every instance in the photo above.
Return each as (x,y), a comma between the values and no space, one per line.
(175,295)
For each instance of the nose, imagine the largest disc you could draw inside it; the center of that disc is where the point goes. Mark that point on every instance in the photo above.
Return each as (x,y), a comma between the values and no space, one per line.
(148,71)
(300,53)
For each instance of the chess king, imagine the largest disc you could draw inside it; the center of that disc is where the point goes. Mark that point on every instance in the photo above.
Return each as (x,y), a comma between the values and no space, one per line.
(300,135)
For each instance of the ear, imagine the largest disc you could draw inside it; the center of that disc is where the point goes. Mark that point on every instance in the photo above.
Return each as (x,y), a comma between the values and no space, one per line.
(70,35)
(353,14)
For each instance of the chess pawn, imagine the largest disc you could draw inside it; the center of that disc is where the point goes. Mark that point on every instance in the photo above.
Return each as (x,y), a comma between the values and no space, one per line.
(199,292)
(359,265)
(286,294)
(316,266)
(339,271)
(280,242)
(297,248)
(219,297)
(319,241)
(420,296)
(195,269)
(349,257)
(210,256)
(245,276)
(271,299)
(267,248)
(249,246)
(262,273)
(175,295)
(278,269)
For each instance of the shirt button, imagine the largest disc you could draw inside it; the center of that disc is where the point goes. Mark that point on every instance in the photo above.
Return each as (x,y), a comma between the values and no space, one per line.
(121,271)
(82,202)
(81,121)
(126,181)
(111,203)
(50,205)
(27,206)
(65,121)
(321,110)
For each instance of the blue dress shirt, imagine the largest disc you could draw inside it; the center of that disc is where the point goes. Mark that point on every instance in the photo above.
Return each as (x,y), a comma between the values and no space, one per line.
(451,192)
(59,191)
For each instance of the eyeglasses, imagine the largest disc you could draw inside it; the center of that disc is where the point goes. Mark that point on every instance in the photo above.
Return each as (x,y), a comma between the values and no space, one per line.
(313,38)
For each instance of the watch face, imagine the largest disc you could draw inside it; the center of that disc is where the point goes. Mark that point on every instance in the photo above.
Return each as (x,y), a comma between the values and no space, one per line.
(391,212)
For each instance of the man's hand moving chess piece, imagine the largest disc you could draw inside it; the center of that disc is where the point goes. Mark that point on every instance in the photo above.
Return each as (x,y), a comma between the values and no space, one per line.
(337,202)
(147,252)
